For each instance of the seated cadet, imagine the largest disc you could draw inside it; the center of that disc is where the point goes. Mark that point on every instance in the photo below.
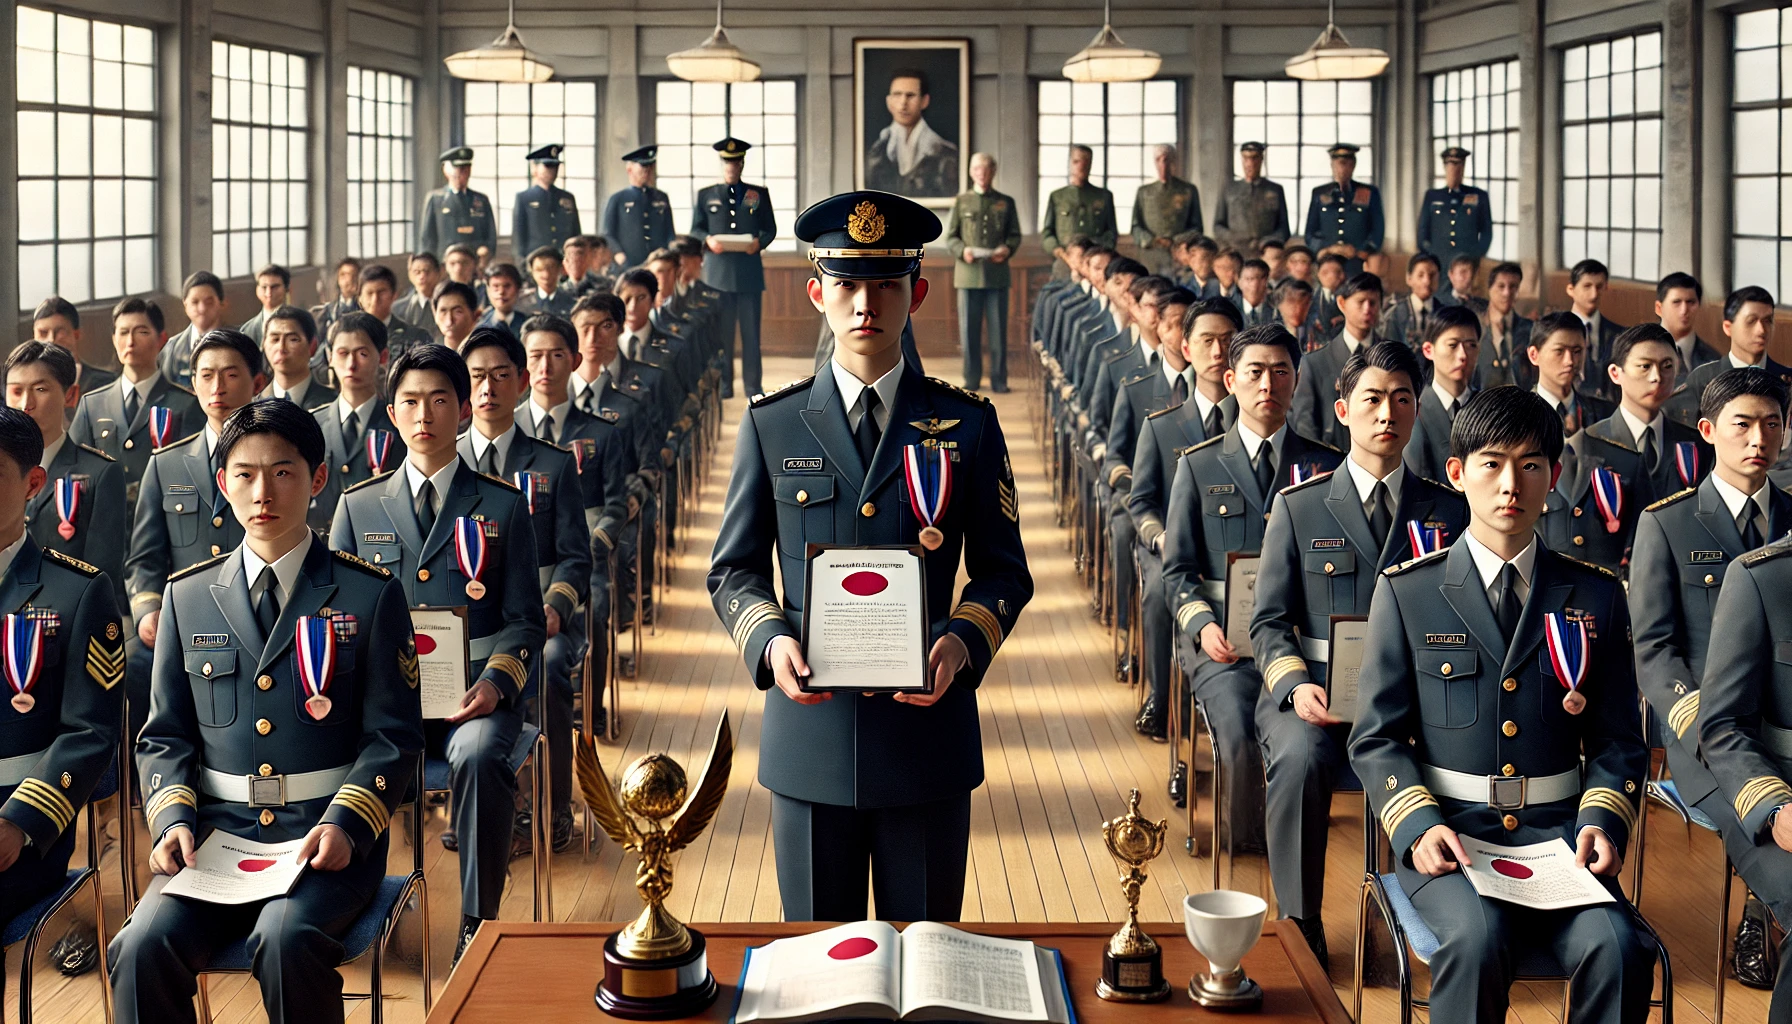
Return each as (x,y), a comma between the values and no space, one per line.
(273,289)
(1678,297)
(1451,345)
(379,286)
(348,290)
(203,301)
(1136,359)
(425,273)
(417,520)
(56,320)
(674,332)
(1297,263)
(1226,267)
(461,264)
(548,477)
(1587,283)
(1274,254)
(503,290)
(1203,333)
(1326,543)
(1508,336)
(1591,511)
(1749,324)
(457,312)
(359,438)
(1359,303)
(646,361)
(577,273)
(1443,751)
(1108,337)
(1459,288)
(295,749)
(1558,354)
(1670,456)
(1218,503)
(1328,274)
(1293,300)
(1684,546)
(1201,252)
(1058,293)
(1253,294)
(289,344)
(546,295)
(142,410)
(1407,317)
(1080,315)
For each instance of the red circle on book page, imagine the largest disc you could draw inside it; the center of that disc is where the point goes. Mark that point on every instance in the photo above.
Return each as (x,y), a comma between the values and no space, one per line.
(256,864)
(1511,868)
(852,949)
(864,584)
(426,644)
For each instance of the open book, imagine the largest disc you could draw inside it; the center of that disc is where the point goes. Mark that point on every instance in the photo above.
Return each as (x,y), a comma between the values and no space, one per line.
(929,971)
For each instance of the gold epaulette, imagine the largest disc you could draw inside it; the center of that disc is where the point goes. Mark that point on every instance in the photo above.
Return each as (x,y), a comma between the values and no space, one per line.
(1774,550)
(177,444)
(1322,444)
(1600,569)
(72,562)
(1304,484)
(352,488)
(1440,485)
(96,451)
(1670,499)
(789,388)
(181,574)
(362,563)
(507,485)
(974,396)
(1198,445)
(1162,412)
(1413,563)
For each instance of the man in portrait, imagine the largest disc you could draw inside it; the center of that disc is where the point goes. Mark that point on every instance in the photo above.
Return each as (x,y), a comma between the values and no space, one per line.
(908,157)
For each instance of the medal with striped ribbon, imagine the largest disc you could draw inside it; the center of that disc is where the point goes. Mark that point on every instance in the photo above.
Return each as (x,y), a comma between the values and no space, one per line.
(469,552)
(928,472)
(24,641)
(1567,641)
(1686,460)
(1301,472)
(525,482)
(379,445)
(1608,495)
(316,642)
(161,425)
(68,504)
(1425,539)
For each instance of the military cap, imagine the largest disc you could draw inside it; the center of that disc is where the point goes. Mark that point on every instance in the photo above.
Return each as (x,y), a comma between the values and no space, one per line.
(645,156)
(1251,147)
(548,154)
(732,148)
(1343,149)
(1455,153)
(459,156)
(867,235)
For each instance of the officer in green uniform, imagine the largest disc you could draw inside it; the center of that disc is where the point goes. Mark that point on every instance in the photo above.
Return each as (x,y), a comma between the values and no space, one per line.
(1253,210)
(543,214)
(982,233)
(1457,219)
(858,778)
(1078,208)
(456,213)
(1162,210)
(1344,215)
(734,207)
(263,729)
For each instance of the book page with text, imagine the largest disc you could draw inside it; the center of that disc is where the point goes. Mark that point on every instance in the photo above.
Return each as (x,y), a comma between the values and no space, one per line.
(947,968)
(818,975)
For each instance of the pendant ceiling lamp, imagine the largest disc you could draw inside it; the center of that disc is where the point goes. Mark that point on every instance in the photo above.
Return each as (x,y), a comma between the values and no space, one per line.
(505,60)
(1108,59)
(714,60)
(1331,57)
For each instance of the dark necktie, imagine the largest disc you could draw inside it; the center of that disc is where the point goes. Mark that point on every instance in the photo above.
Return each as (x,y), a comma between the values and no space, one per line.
(351,432)
(267,602)
(1746,521)
(1213,426)
(1381,514)
(545,429)
(425,507)
(867,434)
(1650,454)
(131,402)
(1179,390)
(488,460)
(1510,606)
(1455,407)
(1266,471)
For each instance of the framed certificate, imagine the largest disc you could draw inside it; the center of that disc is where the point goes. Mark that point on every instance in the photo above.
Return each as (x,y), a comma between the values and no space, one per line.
(865,619)
(1344,664)
(1241,599)
(442,658)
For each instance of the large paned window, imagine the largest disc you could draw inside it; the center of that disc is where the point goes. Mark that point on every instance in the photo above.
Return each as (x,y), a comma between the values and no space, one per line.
(1611,155)
(689,118)
(1298,122)
(1122,122)
(1761,153)
(382,174)
(260,160)
(1477,108)
(505,122)
(87,158)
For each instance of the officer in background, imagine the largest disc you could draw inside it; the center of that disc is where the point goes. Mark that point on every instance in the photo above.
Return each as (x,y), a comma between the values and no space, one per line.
(1253,210)
(1344,215)
(141,410)
(456,213)
(869,778)
(543,214)
(1557,736)
(360,440)
(734,207)
(637,219)
(1163,209)
(1078,208)
(1325,546)
(982,235)
(414,521)
(1457,219)
(247,737)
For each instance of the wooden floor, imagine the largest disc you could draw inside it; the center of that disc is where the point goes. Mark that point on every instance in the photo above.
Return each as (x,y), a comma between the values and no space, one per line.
(1060,754)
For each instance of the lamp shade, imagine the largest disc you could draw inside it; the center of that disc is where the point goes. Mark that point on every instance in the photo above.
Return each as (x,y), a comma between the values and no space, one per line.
(505,60)
(1332,58)
(714,60)
(1107,59)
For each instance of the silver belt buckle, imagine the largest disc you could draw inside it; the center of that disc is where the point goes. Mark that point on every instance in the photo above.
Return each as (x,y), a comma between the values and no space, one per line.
(267,791)
(1506,793)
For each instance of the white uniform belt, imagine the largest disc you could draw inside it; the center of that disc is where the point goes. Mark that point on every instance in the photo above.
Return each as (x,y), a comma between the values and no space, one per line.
(1314,649)
(273,790)
(1213,590)
(1778,742)
(14,770)
(1502,792)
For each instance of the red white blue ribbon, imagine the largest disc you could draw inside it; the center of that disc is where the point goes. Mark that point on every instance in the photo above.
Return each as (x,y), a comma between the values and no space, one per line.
(68,498)
(1608,495)
(928,472)
(24,647)
(525,482)
(1300,473)
(469,546)
(161,425)
(379,445)
(1686,460)
(316,641)
(1568,647)
(1425,539)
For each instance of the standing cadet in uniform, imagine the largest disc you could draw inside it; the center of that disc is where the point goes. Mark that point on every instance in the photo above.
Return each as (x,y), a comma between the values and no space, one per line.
(1218,503)
(141,410)
(455,213)
(1684,546)
(1457,219)
(1344,215)
(544,214)
(1450,347)
(982,234)
(1359,303)
(1163,209)
(1253,210)
(1444,750)
(1670,456)
(248,735)
(637,219)
(1078,208)
(1325,546)
(360,440)
(869,778)
(417,520)
(734,207)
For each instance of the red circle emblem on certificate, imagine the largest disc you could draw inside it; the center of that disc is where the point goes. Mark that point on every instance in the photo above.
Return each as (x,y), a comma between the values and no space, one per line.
(426,644)
(864,584)
(1511,868)
(852,949)
(257,864)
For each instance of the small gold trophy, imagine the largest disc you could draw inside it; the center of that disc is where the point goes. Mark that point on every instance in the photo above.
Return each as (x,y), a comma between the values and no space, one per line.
(1132,965)
(655,967)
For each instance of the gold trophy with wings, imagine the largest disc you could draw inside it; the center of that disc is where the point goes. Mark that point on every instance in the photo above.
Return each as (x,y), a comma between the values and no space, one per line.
(655,967)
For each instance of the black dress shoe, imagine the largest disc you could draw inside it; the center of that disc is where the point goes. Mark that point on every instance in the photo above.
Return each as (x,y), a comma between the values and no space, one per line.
(469,926)
(1150,724)
(76,952)
(450,841)
(1313,929)
(1756,961)
(562,831)
(1179,785)
(522,842)
(1000,389)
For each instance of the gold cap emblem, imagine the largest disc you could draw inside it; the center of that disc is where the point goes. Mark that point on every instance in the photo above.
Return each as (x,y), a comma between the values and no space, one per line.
(865,224)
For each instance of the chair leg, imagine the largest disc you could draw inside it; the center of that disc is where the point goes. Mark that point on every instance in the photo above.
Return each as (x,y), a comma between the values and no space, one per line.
(1219,782)
(205,1006)
(99,929)
(1637,853)
(1723,945)
(428,979)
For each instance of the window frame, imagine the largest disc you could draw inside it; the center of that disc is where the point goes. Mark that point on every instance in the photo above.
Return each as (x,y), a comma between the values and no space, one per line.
(1312,163)
(224,133)
(1050,169)
(786,203)
(1779,178)
(1635,179)
(1503,188)
(401,222)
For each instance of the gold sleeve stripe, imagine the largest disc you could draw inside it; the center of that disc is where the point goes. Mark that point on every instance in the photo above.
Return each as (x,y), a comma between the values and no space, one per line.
(1759,789)
(46,798)
(1117,471)
(1188,611)
(1402,805)
(365,803)
(751,618)
(1601,798)
(1279,669)
(605,537)
(1684,713)
(146,598)
(985,621)
(167,798)
(106,667)
(1150,528)
(564,589)
(510,666)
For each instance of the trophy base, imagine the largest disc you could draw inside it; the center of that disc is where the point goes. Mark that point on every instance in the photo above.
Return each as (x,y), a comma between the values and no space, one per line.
(1138,978)
(679,986)
(1228,995)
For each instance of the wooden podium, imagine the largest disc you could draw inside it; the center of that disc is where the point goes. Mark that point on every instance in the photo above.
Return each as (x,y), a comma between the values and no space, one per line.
(546,973)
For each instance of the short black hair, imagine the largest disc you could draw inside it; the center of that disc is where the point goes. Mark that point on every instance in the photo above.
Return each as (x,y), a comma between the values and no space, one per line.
(1291,286)
(349,261)
(1743,296)
(22,440)
(460,249)
(1273,335)
(1211,307)
(1271,243)
(1421,258)
(448,286)
(1150,284)
(1206,245)
(1294,247)
(1585,267)
(505,270)
(1507,268)
(234,340)
(278,417)
(663,254)
(1177,296)
(1078,242)
(640,278)
(600,241)
(60,360)
(496,336)
(1740,382)
(1229,253)
(606,303)
(307,323)
(1358,283)
(543,251)
(1444,318)
(1254,264)
(202,279)
(916,74)
(1679,279)
(1391,356)
(1125,265)
(1641,334)
(1463,259)
(1183,239)
(1561,320)
(551,324)
(374,272)
(437,359)
(56,305)
(365,324)
(275,270)
(1330,257)
(1507,417)
(137,304)
(424,256)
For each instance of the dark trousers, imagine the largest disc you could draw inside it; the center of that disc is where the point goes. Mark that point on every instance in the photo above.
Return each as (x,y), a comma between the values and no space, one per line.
(1228,693)
(916,853)
(1768,871)
(563,661)
(33,876)
(483,800)
(1303,764)
(293,951)
(1476,959)
(1122,538)
(139,662)
(983,315)
(1159,629)
(740,309)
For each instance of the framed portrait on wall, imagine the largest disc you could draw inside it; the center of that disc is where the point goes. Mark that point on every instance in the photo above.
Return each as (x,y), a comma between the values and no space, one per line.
(912,117)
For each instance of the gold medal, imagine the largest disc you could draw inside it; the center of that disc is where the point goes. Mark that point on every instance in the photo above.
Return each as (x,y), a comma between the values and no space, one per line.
(67,530)
(1574,703)
(318,706)
(475,589)
(23,702)
(932,538)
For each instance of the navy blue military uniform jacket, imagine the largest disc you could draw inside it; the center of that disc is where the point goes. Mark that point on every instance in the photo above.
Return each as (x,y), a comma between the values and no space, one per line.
(542,216)
(182,519)
(100,511)
(448,217)
(100,423)
(1456,222)
(638,220)
(742,209)
(1349,213)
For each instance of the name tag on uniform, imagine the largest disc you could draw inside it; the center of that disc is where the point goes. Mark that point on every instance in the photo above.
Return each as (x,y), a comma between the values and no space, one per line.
(210,640)
(182,489)
(379,538)
(1470,200)
(465,229)
(1446,639)
(792,465)
(1706,556)
(1328,543)
(1222,489)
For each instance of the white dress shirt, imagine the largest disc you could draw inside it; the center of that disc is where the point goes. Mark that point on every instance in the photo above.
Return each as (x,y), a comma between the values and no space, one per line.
(1365,482)
(9,553)
(1437,388)
(1253,444)
(558,412)
(294,395)
(1734,498)
(363,412)
(480,443)
(442,478)
(852,387)
(1489,565)
(1638,428)
(51,450)
(286,567)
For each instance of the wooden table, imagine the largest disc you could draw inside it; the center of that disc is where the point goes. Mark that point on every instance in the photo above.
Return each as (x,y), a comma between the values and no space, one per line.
(546,973)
